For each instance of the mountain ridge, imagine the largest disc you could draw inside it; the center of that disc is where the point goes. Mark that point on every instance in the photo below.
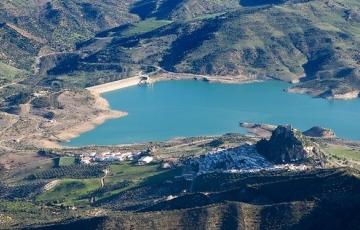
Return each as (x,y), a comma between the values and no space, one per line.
(293,42)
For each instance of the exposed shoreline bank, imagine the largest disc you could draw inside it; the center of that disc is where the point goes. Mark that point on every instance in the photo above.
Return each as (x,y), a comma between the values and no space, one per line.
(347,95)
(105,113)
(101,111)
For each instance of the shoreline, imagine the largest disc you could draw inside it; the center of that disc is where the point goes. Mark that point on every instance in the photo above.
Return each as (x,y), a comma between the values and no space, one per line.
(106,113)
(349,95)
(103,113)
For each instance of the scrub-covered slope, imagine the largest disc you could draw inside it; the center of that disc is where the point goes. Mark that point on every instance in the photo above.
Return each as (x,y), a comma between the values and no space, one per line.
(286,41)
(289,200)
(280,39)
(30,26)
(181,9)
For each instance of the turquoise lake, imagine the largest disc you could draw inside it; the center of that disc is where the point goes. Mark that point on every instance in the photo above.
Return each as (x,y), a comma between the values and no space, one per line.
(186,108)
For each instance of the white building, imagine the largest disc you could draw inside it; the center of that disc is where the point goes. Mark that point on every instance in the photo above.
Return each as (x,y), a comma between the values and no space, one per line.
(86,160)
(145,160)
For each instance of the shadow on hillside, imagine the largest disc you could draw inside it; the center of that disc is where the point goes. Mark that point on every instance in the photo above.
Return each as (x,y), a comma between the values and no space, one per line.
(147,9)
(248,3)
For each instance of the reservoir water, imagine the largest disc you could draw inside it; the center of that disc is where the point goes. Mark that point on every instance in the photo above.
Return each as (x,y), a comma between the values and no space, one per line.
(186,108)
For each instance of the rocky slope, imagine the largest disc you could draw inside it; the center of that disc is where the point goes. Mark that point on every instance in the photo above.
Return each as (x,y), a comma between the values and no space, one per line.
(288,145)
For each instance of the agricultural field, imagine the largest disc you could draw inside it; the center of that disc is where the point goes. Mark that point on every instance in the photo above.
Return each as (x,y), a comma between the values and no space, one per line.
(344,155)
(20,213)
(118,177)
(344,152)
(72,171)
(66,161)
(70,191)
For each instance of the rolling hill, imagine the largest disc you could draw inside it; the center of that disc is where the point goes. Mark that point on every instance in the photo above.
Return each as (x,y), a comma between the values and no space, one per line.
(307,200)
(85,43)
(315,42)
(36,27)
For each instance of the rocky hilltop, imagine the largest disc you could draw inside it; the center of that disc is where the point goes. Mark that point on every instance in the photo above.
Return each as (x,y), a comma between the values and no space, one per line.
(317,131)
(288,145)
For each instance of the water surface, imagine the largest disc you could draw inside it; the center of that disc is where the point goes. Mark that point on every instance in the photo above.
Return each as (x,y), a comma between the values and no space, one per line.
(191,108)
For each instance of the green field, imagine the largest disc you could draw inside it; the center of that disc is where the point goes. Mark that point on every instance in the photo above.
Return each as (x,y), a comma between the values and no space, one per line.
(136,175)
(10,73)
(73,191)
(64,161)
(67,161)
(128,171)
(69,191)
(344,152)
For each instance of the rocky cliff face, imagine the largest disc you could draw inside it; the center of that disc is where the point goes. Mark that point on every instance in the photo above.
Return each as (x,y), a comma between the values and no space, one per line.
(289,145)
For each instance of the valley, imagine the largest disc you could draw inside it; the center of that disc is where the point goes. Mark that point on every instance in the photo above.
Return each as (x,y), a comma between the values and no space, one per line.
(246,115)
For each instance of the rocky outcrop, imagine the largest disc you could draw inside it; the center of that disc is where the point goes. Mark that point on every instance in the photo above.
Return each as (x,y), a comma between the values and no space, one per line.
(341,94)
(289,145)
(317,131)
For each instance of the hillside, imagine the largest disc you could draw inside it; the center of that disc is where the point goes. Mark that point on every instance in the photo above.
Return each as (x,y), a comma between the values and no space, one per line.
(84,43)
(278,178)
(190,184)
(232,201)
(181,9)
(286,41)
(36,27)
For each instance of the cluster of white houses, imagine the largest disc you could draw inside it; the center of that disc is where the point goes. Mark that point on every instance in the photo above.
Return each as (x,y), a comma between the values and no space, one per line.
(243,157)
(140,157)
